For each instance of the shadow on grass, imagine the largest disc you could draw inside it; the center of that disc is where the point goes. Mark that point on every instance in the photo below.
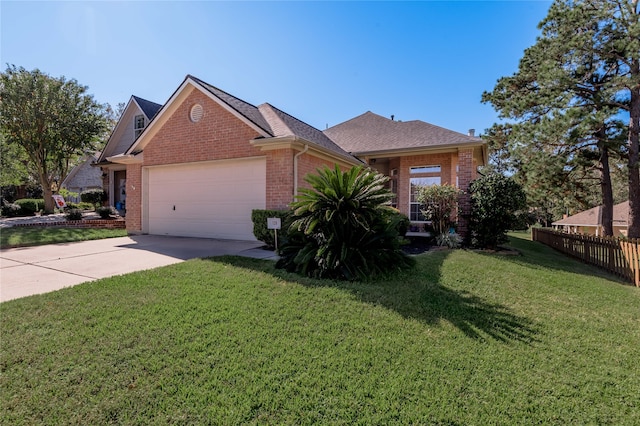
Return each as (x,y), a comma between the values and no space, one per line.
(539,256)
(418,294)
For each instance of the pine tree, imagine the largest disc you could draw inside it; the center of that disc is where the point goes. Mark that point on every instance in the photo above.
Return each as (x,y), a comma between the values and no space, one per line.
(568,103)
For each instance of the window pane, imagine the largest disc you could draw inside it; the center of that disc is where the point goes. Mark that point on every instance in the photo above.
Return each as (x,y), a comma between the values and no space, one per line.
(139,122)
(425,169)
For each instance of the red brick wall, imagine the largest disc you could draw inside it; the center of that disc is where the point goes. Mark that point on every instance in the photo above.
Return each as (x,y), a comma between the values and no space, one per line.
(134,198)
(279,178)
(466,173)
(218,135)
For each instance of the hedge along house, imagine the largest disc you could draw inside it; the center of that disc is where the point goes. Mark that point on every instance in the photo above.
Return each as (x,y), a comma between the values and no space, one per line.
(135,117)
(207,159)
(414,154)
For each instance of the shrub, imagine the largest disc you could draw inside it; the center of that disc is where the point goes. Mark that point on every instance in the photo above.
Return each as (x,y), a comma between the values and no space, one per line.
(267,236)
(29,206)
(85,206)
(106,212)
(73,214)
(440,204)
(94,197)
(495,199)
(10,209)
(343,228)
(451,240)
(403,224)
(66,194)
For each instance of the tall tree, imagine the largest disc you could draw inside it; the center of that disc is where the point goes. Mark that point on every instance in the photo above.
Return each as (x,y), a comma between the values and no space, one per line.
(569,99)
(52,120)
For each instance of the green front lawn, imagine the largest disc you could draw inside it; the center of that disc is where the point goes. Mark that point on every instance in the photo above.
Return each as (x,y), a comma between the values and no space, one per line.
(22,237)
(465,338)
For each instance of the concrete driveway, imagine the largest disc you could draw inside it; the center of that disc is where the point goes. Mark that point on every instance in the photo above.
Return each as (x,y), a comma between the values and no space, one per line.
(41,269)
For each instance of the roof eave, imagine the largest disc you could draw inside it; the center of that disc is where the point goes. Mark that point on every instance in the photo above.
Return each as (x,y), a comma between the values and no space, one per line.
(298,143)
(126,159)
(413,150)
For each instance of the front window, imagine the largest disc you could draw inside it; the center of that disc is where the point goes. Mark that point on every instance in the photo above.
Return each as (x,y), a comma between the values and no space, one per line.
(138,125)
(423,176)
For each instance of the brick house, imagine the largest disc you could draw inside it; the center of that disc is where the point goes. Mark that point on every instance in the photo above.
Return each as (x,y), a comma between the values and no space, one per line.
(135,117)
(207,158)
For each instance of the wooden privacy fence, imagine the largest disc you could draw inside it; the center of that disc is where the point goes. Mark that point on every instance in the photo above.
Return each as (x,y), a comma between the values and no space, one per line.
(616,255)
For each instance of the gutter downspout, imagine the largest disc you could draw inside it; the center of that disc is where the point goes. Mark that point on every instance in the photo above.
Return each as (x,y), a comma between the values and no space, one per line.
(295,169)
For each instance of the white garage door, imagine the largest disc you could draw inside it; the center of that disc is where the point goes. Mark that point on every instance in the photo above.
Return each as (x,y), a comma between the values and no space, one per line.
(208,200)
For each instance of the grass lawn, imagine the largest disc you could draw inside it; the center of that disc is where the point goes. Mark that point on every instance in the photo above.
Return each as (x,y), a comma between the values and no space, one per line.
(465,338)
(22,237)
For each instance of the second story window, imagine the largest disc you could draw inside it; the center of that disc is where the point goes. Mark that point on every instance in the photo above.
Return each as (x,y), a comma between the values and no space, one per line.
(138,125)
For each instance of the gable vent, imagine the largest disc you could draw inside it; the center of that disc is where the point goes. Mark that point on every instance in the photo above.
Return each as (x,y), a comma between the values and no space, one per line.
(196,113)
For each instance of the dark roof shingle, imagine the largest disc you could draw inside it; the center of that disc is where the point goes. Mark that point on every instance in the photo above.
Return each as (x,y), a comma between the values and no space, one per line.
(148,108)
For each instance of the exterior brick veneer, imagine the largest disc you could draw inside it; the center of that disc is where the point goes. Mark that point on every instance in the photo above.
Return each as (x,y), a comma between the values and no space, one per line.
(466,174)
(91,223)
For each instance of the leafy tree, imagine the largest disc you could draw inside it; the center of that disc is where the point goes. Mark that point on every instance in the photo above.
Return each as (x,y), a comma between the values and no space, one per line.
(569,99)
(440,204)
(51,120)
(343,227)
(495,201)
(13,165)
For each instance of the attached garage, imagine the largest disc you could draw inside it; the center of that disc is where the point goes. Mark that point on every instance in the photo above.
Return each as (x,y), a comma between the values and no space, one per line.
(205,199)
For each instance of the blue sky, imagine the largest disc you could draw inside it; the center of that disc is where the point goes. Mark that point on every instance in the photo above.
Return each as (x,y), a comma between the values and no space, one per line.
(322,62)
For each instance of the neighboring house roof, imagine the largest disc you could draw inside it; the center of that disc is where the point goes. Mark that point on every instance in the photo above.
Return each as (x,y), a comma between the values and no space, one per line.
(82,174)
(371,132)
(593,217)
(269,121)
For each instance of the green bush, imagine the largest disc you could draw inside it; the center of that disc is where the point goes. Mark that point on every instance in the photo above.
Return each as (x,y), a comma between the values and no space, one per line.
(93,196)
(73,214)
(402,224)
(29,206)
(440,203)
(343,227)
(495,200)
(10,209)
(85,206)
(106,212)
(267,236)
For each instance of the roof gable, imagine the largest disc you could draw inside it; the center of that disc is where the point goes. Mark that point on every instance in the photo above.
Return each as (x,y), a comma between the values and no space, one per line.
(148,108)
(267,120)
(246,112)
(371,132)
(122,135)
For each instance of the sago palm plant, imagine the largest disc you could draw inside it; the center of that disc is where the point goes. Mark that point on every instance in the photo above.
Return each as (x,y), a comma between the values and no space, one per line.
(343,227)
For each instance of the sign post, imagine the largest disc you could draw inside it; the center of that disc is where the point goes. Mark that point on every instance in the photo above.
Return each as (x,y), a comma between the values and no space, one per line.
(59,200)
(274,223)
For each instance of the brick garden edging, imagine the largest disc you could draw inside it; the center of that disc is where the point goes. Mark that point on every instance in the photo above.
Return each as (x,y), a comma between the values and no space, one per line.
(89,223)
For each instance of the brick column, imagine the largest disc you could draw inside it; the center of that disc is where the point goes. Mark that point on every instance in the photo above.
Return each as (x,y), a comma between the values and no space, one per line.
(465,176)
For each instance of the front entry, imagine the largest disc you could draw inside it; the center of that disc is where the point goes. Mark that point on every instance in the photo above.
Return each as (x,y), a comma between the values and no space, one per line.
(120,191)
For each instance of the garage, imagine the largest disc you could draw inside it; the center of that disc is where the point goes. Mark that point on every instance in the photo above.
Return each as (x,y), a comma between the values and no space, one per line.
(206,199)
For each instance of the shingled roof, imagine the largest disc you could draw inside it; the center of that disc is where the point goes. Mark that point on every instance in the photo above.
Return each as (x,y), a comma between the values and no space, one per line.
(247,110)
(371,132)
(148,108)
(274,121)
(593,217)
(283,124)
